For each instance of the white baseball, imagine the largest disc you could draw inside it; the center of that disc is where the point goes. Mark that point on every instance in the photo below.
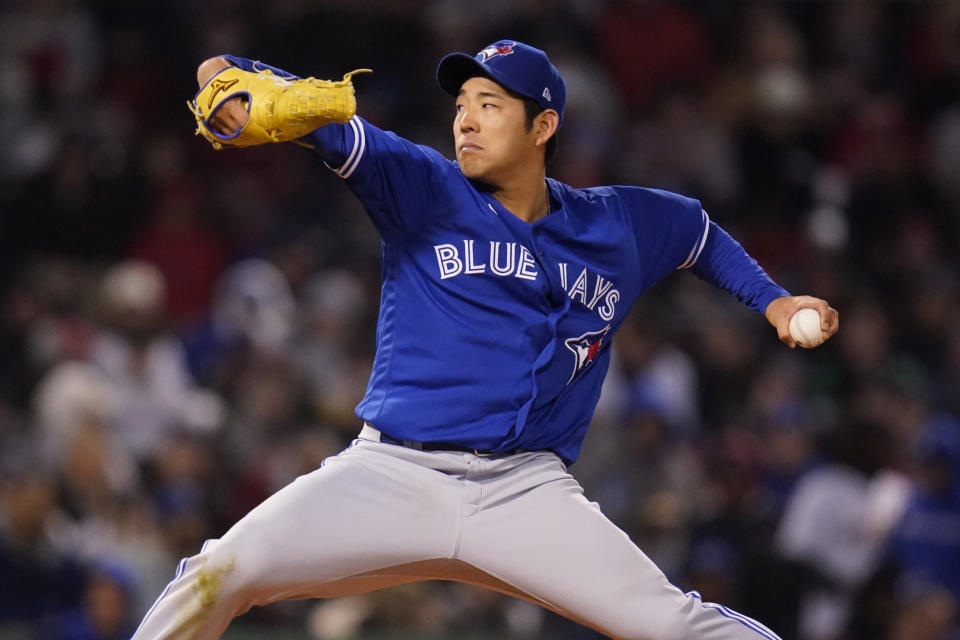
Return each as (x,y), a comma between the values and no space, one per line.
(805,328)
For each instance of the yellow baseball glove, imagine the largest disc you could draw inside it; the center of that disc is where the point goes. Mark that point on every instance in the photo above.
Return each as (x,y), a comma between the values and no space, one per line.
(281,109)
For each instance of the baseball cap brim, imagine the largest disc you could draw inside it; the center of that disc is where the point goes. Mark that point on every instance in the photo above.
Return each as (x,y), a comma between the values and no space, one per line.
(456,68)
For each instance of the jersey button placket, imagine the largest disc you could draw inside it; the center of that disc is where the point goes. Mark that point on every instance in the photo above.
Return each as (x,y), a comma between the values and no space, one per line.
(537,242)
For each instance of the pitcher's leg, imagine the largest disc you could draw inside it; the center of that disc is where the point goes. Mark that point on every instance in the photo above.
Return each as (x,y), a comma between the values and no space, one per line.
(327,533)
(559,549)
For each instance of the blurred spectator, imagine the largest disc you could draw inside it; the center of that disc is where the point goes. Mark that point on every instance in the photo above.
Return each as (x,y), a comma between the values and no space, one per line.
(177,238)
(97,477)
(49,56)
(141,360)
(929,615)
(75,408)
(328,344)
(672,54)
(730,540)
(62,328)
(593,113)
(251,316)
(105,613)
(788,452)
(36,580)
(830,524)
(181,482)
(650,484)
(926,543)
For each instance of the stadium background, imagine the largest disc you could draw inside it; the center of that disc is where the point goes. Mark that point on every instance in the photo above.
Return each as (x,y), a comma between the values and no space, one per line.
(183,332)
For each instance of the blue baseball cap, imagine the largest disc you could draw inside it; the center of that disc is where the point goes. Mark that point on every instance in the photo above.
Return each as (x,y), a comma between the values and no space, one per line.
(519,67)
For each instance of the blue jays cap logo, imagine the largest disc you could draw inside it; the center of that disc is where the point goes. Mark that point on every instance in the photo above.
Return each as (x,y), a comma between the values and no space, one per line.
(585,349)
(493,51)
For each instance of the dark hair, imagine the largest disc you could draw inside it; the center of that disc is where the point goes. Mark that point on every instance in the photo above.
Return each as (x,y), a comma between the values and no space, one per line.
(532,110)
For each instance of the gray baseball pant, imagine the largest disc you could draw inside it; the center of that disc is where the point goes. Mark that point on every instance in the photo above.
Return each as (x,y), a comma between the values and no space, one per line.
(379,515)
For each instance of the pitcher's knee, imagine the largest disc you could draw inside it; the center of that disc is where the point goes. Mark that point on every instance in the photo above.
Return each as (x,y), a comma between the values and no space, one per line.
(218,579)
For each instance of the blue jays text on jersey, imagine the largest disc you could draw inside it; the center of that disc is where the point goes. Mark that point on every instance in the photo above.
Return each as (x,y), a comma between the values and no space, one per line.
(451,264)
(494,333)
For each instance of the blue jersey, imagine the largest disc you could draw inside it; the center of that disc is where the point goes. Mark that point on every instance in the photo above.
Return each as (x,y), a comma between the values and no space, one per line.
(495,333)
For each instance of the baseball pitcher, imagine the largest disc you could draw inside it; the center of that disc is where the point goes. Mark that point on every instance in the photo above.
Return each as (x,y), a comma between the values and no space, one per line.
(502,290)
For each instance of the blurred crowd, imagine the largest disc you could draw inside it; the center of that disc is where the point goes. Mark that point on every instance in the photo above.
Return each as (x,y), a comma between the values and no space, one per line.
(185,331)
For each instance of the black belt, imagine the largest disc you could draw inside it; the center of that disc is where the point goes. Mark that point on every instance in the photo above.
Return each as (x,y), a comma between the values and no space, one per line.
(428,446)
(438,446)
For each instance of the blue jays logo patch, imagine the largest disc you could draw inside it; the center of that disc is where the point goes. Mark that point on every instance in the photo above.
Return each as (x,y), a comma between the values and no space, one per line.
(493,51)
(585,348)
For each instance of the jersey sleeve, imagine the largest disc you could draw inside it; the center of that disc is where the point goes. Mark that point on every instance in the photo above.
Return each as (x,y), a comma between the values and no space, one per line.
(674,232)
(397,181)
(670,230)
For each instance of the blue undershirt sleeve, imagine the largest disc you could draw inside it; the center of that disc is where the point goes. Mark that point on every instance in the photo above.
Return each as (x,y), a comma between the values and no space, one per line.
(725,264)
